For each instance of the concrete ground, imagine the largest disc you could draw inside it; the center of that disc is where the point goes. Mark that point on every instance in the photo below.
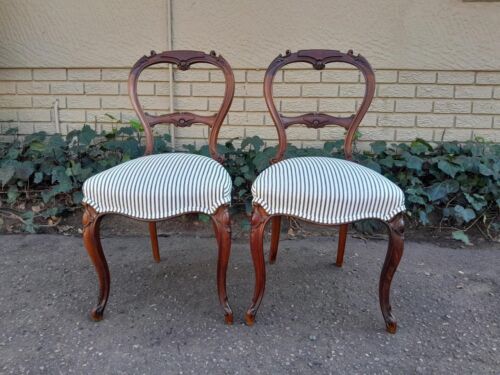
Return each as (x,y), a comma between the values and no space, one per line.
(315,318)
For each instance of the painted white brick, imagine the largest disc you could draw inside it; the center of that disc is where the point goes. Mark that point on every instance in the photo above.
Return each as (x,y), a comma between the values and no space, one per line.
(396,91)
(435,91)
(44,101)
(72,115)
(245,118)
(488,78)
(331,133)
(208,89)
(228,132)
(488,135)
(377,134)
(115,102)
(340,76)
(301,105)
(218,76)
(496,94)
(100,115)
(34,115)
(473,92)
(256,105)
(302,76)
(473,121)
(396,120)
(352,91)
(460,135)
(180,88)
(7,87)
(190,104)
(49,74)
(284,90)
(8,115)
(101,88)
(337,105)
(15,101)
(15,74)
(214,104)
(84,74)
(486,106)
(265,132)
(413,105)
(456,77)
(81,101)
(320,90)
(417,77)
(409,134)
(115,74)
(66,88)
(143,88)
(496,122)
(189,76)
(248,90)
(386,76)
(300,132)
(381,105)
(47,127)
(33,87)
(437,121)
(452,106)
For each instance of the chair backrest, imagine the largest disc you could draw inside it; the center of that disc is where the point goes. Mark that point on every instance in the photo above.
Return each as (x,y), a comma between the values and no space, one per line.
(183,60)
(318,58)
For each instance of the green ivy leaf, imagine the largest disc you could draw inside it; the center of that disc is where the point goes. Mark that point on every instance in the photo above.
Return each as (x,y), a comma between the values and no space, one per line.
(477,201)
(465,214)
(6,174)
(449,168)
(378,147)
(460,235)
(238,181)
(440,190)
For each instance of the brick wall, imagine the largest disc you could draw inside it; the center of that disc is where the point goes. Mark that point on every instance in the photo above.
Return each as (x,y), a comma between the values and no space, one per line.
(434,105)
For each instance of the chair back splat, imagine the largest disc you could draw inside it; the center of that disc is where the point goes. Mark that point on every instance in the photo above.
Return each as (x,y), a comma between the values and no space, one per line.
(318,58)
(183,60)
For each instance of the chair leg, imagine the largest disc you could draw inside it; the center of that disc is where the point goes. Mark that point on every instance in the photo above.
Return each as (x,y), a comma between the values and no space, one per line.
(154,241)
(275,238)
(394,254)
(222,227)
(91,239)
(259,220)
(341,245)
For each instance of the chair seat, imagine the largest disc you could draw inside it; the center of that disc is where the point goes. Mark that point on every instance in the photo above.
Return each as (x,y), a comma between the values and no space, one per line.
(326,191)
(160,186)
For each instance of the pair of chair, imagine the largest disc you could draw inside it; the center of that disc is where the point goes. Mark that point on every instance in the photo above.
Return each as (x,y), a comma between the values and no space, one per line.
(316,189)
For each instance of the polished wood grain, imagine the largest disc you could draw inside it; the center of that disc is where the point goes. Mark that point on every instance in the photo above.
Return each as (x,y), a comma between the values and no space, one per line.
(222,225)
(318,59)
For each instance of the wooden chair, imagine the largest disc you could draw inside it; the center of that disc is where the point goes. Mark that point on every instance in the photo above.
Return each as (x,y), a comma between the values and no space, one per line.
(157,187)
(323,190)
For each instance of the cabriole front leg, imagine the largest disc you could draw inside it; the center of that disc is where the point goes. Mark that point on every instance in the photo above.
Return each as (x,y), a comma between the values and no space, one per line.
(392,259)
(222,228)
(258,223)
(92,242)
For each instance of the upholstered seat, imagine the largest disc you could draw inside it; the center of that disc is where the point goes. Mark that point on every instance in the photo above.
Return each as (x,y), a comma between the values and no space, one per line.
(326,191)
(160,186)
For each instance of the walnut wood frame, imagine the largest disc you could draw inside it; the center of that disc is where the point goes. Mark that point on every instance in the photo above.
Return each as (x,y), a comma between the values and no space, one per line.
(220,219)
(318,59)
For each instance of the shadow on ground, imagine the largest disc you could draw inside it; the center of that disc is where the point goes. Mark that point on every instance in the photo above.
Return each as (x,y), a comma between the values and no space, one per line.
(315,318)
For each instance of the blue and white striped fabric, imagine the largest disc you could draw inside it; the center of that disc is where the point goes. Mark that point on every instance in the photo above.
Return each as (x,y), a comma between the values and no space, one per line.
(160,186)
(326,191)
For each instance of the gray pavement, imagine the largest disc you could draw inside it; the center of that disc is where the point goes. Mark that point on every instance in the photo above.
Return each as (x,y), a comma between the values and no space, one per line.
(315,318)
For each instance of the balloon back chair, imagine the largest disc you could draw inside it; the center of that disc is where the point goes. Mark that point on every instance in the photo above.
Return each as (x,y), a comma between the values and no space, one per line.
(157,187)
(323,190)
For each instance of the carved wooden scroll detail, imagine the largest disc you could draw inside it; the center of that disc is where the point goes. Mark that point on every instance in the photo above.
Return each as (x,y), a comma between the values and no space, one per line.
(183,60)
(318,58)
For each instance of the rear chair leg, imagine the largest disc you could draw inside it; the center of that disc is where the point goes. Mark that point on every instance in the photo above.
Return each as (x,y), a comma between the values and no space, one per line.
(154,241)
(275,238)
(341,246)
(91,239)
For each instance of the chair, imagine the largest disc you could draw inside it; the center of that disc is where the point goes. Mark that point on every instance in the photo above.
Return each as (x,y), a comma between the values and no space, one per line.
(157,187)
(323,190)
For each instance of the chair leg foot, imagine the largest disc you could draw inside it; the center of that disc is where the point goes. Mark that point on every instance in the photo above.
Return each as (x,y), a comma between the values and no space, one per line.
(92,242)
(392,259)
(258,223)
(222,227)
(341,245)
(154,241)
(275,238)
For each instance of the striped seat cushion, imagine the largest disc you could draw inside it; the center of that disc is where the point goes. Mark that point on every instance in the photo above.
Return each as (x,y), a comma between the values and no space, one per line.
(160,186)
(326,191)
